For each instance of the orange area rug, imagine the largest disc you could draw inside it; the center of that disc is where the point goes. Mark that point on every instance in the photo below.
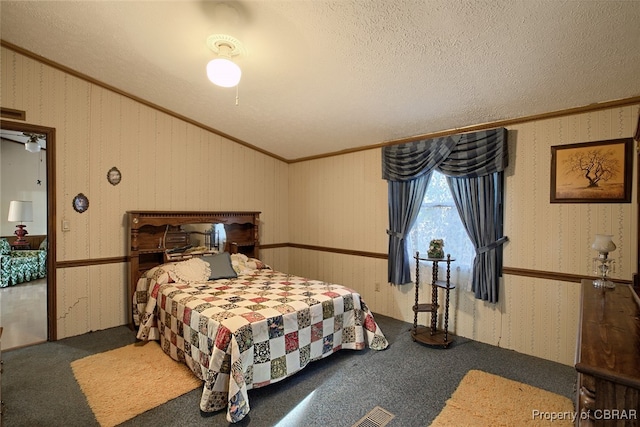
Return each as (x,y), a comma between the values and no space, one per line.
(122,383)
(484,399)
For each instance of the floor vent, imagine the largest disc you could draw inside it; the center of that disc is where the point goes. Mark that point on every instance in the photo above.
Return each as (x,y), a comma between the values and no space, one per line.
(377,417)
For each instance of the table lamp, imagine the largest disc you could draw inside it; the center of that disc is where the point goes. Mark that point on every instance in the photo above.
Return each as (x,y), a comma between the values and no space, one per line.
(603,244)
(20,211)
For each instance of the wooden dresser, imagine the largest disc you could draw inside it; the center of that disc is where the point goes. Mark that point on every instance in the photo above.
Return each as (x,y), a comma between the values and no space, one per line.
(608,357)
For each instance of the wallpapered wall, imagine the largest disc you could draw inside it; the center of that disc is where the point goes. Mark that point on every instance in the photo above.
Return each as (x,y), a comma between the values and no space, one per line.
(337,202)
(166,164)
(344,198)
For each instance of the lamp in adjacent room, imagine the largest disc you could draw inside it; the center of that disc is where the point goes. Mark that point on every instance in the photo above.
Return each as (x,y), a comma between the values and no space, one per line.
(20,211)
(222,71)
(602,263)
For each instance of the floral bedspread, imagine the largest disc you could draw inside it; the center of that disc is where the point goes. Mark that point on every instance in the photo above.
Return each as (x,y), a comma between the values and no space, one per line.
(250,331)
(18,266)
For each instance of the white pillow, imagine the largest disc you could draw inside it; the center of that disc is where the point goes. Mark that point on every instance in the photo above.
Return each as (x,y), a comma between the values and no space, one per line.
(191,270)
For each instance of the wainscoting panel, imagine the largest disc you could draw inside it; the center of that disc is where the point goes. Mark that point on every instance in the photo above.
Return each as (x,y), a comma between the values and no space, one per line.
(276,258)
(91,298)
(540,317)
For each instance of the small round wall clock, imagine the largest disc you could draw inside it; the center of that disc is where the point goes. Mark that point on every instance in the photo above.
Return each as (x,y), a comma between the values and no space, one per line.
(114,176)
(80,203)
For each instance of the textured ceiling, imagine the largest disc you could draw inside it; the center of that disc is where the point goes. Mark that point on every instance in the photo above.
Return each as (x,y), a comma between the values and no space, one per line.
(325,76)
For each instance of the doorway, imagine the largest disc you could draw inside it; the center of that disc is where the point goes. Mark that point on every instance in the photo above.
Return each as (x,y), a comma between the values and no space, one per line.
(49,161)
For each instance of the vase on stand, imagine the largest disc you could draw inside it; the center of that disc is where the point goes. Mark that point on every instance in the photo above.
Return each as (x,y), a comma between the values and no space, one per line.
(436,249)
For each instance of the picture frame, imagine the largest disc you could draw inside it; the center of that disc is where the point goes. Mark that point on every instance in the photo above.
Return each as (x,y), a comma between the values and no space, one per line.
(592,172)
(80,203)
(114,176)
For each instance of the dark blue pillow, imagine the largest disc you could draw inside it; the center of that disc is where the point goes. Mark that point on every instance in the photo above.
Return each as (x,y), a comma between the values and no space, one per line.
(221,267)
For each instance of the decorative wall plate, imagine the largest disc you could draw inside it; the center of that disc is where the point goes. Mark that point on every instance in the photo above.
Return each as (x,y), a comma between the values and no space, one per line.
(80,203)
(114,176)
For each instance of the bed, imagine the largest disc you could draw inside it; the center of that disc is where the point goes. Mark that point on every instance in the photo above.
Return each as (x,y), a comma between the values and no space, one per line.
(20,266)
(238,324)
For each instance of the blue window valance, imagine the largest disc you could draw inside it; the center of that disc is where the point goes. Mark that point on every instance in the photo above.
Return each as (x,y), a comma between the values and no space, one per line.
(463,155)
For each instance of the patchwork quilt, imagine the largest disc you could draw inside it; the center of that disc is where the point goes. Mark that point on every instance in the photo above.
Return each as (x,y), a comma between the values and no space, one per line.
(249,331)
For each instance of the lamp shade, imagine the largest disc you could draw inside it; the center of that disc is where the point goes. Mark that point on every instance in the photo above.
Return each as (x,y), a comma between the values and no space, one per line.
(603,243)
(224,72)
(20,211)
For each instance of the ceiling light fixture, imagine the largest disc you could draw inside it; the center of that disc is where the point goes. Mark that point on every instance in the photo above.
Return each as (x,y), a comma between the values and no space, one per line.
(222,71)
(32,145)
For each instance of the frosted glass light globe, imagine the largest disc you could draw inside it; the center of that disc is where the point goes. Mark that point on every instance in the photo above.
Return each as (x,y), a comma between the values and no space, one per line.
(32,146)
(224,72)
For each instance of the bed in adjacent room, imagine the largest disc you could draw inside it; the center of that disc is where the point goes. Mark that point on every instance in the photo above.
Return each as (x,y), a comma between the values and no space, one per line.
(239,324)
(20,266)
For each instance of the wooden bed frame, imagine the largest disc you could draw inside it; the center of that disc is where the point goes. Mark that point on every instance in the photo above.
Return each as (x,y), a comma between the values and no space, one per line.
(151,233)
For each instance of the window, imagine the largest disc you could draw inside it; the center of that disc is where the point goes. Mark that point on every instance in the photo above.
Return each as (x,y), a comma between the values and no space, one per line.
(439,218)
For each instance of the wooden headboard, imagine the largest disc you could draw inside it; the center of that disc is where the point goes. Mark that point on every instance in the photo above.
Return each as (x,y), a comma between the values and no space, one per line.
(151,233)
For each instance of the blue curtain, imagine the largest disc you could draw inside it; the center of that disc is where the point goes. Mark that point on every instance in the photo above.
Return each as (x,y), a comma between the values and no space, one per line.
(479,203)
(407,169)
(470,158)
(405,198)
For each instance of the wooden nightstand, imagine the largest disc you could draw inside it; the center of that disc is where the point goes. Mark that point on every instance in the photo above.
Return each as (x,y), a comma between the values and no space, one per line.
(19,247)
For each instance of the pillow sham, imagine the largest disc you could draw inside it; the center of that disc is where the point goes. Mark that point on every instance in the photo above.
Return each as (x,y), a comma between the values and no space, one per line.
(191,270)
(221,267)
(243,264)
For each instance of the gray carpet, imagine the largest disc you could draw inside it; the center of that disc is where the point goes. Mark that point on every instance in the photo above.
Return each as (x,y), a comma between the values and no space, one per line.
(410,380)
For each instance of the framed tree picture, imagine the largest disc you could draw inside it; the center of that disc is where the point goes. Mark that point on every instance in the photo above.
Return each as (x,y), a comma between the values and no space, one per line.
(592,172)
